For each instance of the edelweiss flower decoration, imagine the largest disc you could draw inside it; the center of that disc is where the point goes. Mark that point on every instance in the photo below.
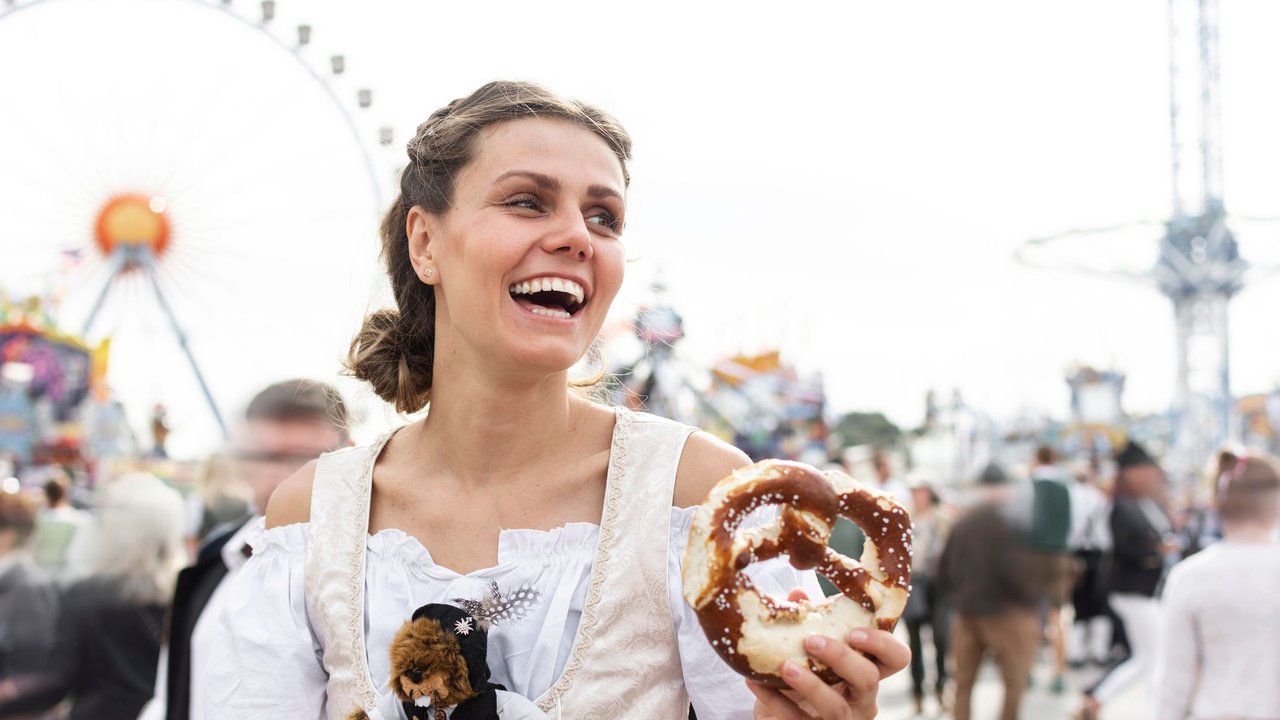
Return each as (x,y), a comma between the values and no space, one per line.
(462,627)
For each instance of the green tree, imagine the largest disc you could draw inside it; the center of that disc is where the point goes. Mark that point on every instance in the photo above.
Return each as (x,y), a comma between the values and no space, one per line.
(867,428)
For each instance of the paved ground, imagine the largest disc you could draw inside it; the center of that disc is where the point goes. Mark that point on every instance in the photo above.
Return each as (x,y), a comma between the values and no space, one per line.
(1037,704)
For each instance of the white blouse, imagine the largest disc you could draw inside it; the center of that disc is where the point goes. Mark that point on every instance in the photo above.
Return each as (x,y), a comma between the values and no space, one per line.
(266,663)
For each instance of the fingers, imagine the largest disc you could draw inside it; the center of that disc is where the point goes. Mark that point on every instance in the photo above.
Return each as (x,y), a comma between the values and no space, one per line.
(887,652)
(859,673)
(773,705)
(861,662)
(826,701)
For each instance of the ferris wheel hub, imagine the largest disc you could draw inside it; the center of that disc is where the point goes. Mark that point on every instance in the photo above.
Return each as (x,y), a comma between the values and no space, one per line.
(133,219)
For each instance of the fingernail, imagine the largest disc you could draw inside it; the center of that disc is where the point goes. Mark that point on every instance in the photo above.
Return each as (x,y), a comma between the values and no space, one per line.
(858,636)
(790,670)
(815,643)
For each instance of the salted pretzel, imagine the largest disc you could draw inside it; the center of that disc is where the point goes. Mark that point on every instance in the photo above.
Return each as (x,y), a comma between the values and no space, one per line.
(755,633)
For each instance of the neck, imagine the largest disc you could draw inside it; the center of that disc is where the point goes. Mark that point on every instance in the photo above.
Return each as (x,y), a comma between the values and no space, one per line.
(1248,533)
(483,429)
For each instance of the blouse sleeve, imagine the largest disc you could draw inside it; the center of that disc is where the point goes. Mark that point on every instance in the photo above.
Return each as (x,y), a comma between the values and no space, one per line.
(266,661)
(716,690)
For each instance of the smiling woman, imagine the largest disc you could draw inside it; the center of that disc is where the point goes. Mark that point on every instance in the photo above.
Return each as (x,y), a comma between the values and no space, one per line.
(557,523)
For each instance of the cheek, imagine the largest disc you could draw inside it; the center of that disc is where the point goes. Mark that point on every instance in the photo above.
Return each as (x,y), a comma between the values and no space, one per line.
(610,270)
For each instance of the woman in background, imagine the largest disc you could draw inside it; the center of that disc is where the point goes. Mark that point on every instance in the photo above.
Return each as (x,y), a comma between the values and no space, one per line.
(926,606)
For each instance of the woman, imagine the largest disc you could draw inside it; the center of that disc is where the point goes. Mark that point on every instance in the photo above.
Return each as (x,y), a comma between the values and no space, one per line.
(926,606)
(1090,541)
(1218,656)
(513,494)
(1142,536)
(110,626)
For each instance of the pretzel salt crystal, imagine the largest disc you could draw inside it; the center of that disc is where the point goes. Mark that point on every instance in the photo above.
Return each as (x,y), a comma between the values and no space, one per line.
(755,633)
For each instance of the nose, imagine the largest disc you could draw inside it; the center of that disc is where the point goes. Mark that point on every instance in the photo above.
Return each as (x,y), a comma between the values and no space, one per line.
(570,236)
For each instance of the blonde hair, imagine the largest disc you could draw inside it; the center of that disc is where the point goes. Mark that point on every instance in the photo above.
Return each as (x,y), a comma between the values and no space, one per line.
(395,348)
(141,538)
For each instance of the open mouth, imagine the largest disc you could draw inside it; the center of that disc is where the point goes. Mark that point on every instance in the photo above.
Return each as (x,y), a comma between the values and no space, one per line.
(549,296)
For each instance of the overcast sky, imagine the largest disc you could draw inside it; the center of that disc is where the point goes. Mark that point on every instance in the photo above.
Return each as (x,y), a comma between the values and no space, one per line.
(847,181)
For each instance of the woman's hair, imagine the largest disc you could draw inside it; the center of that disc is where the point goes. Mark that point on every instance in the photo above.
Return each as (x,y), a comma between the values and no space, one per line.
(394,348)
(1250,490)
(141,545)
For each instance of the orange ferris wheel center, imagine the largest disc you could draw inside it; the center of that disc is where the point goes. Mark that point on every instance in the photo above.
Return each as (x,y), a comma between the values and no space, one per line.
(132,220)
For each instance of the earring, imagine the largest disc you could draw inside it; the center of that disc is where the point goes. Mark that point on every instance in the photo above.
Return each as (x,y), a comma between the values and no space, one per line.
(427,273)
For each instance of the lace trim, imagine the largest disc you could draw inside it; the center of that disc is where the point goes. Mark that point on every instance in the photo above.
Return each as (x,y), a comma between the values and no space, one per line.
(355,578)
(587,627)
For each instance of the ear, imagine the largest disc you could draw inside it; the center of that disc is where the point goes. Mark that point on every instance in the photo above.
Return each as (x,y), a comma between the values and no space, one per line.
(422,229)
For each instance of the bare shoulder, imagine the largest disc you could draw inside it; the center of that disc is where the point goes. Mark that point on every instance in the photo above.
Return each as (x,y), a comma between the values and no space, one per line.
(291,502)
(705,461)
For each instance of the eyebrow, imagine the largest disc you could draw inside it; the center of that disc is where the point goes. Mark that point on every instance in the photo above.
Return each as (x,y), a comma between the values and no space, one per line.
(547,182)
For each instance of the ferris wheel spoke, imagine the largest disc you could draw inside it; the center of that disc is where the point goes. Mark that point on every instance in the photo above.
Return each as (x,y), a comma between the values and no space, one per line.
(230,169)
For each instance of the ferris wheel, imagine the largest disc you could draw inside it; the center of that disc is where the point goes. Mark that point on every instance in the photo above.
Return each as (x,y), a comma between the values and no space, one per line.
(198,180)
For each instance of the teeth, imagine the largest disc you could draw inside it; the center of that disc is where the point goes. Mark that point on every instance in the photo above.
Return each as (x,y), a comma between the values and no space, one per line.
(548,284)
(549,312)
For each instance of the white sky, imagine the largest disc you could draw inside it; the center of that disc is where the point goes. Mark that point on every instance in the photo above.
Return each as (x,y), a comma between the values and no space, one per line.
(848,180)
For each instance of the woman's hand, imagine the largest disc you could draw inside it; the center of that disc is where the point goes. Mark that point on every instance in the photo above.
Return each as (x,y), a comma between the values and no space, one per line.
(862,660)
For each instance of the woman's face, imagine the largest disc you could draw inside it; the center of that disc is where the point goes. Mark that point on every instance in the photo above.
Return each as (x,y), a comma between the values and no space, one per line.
(529,257)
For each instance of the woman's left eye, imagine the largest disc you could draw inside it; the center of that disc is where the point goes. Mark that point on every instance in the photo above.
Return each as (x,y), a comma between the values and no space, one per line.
(606,219)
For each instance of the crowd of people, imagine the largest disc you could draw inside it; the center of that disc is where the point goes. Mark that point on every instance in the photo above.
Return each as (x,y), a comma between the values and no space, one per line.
(109,614)
(1094,565)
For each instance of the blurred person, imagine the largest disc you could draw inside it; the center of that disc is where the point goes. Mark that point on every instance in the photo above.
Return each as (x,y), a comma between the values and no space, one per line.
(885,480)
(285,425)
(61,530)
(1051,565)
(224,497)
(1199,524)
(505,251)
(1090,542)
(984,572)
(160,431)
(1142,537)
(1218,655)
(111,623)
(926,605)
(28,598)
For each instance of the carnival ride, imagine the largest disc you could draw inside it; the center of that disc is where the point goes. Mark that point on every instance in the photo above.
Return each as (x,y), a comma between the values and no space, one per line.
(184,170)
(1199,259)
(756,402)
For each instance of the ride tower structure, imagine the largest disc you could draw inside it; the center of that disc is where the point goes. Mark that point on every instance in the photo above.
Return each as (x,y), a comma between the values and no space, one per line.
(1198,264)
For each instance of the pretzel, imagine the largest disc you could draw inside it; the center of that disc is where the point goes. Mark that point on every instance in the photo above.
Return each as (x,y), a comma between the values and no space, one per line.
(756,633)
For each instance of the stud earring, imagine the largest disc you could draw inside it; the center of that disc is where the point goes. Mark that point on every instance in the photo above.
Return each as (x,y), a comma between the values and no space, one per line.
(427,273)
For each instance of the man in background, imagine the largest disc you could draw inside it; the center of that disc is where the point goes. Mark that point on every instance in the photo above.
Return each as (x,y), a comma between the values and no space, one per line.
(1052,571)
(983,571)
(285,426)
